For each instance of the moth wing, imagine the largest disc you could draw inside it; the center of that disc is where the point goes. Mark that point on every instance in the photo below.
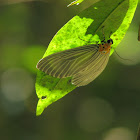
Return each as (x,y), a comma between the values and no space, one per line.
(69,62)
(93,70)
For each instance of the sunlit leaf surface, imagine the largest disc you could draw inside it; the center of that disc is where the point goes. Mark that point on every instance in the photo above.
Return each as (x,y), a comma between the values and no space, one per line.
(77,2)
(115,16)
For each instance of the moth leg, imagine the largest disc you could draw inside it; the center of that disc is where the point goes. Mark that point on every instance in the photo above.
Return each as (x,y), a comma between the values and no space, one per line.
(103,41)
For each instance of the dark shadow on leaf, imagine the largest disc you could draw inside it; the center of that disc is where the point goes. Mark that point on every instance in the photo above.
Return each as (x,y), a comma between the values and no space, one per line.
(107,13)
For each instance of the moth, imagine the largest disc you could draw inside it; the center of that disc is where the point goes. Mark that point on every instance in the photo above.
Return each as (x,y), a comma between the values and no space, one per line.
(82,63)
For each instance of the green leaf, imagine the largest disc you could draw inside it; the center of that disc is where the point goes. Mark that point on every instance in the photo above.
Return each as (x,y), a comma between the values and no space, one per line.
(115,16)
(77,2)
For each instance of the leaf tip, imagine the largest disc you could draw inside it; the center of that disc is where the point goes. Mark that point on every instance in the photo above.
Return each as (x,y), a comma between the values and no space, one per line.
(39,110)
(40,107)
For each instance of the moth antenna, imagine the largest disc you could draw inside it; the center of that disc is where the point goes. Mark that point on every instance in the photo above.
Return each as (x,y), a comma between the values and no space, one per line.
(121,57)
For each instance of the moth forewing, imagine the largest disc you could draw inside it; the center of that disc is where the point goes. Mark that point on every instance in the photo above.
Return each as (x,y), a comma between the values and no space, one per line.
(67,63)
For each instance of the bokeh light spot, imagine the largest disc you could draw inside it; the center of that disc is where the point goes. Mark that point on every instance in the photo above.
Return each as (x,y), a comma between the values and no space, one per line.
(95,114)
(16,84)
(120,133)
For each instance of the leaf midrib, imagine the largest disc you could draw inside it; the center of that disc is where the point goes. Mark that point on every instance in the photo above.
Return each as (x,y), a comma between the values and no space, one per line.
(109,16)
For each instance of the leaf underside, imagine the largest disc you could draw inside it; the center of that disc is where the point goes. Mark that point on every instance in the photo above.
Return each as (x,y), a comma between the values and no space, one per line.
(115,16)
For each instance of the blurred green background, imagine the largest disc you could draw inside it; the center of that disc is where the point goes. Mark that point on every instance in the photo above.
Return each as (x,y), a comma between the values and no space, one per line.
(106,109)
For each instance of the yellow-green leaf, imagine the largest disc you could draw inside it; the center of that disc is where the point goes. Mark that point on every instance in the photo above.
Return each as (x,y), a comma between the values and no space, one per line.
(115,16)
(77,2)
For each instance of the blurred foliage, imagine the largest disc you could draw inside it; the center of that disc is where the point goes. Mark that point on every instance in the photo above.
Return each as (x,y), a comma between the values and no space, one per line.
(114,94)
(138,133)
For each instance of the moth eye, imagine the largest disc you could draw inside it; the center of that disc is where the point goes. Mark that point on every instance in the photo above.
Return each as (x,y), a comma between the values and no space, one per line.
(108,41)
